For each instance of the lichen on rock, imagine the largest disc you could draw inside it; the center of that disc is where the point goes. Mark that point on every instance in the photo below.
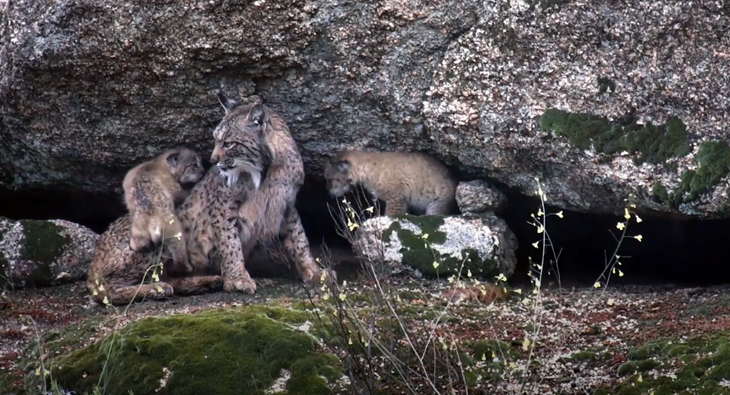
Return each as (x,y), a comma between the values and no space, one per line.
(38,253)
(440,246)
(477,196)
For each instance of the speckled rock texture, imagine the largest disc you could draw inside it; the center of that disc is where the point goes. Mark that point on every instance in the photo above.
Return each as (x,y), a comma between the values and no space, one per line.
(434,246)
(89,88)
(39,253)
(479,196)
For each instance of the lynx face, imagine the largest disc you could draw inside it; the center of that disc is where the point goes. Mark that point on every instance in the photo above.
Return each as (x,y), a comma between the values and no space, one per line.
(239,142)
(338,177)
(185,165)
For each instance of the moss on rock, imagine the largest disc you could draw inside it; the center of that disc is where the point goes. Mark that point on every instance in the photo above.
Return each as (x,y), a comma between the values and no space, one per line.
(221,351)
(713,159)
(652,143)
(44,242)
(420,253)
(698,366)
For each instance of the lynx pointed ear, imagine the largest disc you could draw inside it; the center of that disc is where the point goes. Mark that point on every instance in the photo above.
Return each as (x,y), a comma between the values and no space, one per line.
(227,103)
(258,115)
(343,166)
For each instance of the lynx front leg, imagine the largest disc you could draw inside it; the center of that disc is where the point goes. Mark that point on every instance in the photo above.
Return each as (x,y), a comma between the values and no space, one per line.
(126,294)
(196,284)
(230,254)
(296,245)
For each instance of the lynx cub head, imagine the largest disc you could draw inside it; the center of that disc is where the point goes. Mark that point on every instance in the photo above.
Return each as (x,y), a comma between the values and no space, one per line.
(337,174)
(239,141)
(185,165)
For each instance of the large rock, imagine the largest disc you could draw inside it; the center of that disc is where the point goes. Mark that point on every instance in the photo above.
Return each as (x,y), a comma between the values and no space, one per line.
(439,246)
(37,253)
(88,88)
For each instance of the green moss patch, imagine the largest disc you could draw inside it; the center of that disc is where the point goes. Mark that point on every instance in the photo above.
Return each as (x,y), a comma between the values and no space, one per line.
(698,366)
(651,143)
(488,359)
(43,243)
(420,253)
(222,351)
(713,159)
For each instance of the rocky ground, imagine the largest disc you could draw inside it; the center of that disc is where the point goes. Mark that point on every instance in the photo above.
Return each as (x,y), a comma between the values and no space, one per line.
(628,340)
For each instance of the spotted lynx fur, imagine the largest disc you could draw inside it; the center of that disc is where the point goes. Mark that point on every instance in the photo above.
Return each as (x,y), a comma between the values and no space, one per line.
(404,180)
(152,190)
(255,140)
(247,198)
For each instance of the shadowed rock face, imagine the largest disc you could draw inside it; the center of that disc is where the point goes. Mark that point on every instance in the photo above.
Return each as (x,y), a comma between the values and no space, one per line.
(88,89)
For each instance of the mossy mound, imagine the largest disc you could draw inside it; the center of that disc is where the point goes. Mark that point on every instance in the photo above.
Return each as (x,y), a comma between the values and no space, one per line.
(653,143)
(223,351)
(698,366)
(421,252)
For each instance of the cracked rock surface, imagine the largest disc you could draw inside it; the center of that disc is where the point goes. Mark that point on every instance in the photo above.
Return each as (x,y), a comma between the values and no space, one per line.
(88,89)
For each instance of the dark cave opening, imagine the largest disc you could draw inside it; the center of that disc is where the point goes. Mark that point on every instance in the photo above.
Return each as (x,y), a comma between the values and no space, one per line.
(672,251)
(682,252)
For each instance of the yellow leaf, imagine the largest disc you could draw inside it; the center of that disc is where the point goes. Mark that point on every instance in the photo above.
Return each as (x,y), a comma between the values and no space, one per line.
(620,273)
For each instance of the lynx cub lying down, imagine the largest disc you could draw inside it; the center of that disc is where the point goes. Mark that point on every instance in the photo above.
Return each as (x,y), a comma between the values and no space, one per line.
(404,180)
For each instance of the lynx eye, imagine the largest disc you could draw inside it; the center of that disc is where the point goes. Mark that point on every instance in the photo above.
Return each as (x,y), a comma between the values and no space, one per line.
(228,145)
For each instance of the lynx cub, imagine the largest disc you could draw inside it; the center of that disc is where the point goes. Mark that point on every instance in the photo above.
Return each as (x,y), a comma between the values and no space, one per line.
(404,180)
(152,190)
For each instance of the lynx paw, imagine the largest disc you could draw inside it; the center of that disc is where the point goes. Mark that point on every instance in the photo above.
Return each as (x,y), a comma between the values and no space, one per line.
(244,285)
(318,276)
(140,244)
(161,290)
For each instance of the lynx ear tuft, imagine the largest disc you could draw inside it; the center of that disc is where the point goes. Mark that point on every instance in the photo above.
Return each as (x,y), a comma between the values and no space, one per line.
(227,103)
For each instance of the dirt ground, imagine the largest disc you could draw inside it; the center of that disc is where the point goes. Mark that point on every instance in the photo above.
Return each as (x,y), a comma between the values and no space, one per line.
(572,322)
